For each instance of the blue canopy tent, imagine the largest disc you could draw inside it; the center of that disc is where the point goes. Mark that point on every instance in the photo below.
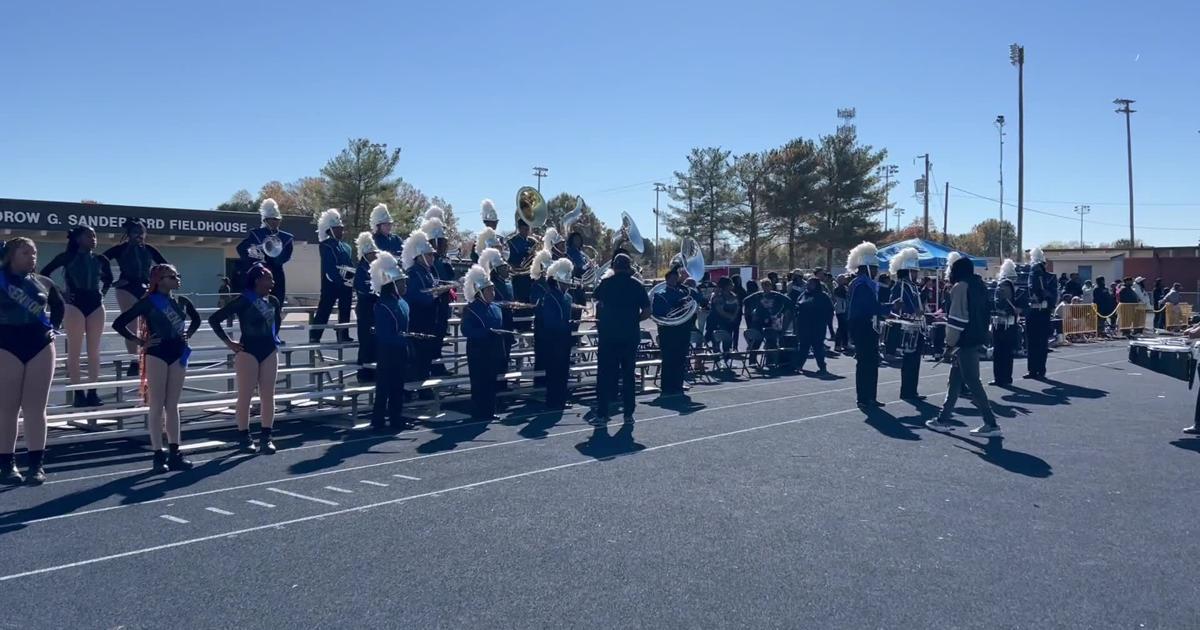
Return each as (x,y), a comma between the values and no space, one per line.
(930,255)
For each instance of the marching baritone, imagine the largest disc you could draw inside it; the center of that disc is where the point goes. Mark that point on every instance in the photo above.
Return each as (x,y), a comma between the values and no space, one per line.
(443,273)
(385,240)
(1043,296)
(421,296)
(134,258)
(364,304)
(481,325)
(337,271)
(906,301)
(269,245)
(864,309)
(389,284)
(673,337)
(552,332)
(1004,324)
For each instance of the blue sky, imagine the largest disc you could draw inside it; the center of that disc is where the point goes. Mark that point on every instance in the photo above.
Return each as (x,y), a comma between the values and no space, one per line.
(181,104)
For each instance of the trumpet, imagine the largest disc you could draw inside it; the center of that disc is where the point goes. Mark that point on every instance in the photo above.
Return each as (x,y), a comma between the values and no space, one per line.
(442,286)
(517,306)
(415,335)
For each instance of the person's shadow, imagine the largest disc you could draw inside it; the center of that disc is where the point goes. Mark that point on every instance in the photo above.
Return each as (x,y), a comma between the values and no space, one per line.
(600,445)
(888,425)
(449,437)
(1187,444)
(681,404)
(993,452)
(338,452)
(539,427)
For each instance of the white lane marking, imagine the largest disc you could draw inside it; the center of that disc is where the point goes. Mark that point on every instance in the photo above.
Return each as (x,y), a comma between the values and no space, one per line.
(337,489)
(302,496)
(174,519)
(693,393)
(373,483)
(407,477)
(260,503)
(470,449)
(219,511)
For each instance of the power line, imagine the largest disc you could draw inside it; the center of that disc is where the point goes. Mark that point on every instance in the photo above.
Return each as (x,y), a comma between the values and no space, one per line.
(1071,218)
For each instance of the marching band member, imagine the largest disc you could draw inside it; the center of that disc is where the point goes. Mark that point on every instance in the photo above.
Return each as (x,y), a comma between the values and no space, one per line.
(552,332)
(487,212)
(487,238)
(163,338)
(966,335)
(364,300)
(673,340)
(134,258)
(417,261)
(250,250)
(481,326)
(256,360)
(537,274)
(1043,291)
(31,308)
(337,267)
(621,304)
(385,241)
(389,283)
(493,262)
(864,308)
(520,252)
(579,262)
(906,301)
(814,312)
(1004,324)
(443,273)
(87,276)
(554,242)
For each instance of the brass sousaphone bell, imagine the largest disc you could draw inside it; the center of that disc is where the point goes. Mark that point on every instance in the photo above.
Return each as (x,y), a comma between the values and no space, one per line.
(532,211)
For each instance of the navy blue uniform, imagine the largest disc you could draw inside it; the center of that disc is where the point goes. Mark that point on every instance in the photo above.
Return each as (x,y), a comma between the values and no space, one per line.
(673,340)
(391,320)
(422,318)
(444,272)
(256,237)
(364,312)
(909,307)
(334,254)
(863,308)
(480,320)
(552,343)
(519,249)
(390,243)
(1043,296)
(1004,332)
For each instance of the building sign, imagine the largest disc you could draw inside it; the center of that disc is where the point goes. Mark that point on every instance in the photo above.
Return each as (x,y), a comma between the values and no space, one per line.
(21,214)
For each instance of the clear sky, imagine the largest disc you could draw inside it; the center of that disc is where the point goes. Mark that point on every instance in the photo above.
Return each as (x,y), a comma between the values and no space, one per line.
(181,104)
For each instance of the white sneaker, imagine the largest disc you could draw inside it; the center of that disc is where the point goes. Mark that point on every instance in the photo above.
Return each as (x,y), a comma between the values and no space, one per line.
(986,431)
(939,426)
(1192,430)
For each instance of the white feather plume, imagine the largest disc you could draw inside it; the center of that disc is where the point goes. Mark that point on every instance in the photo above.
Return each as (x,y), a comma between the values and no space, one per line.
(541,262)
(485,235)
(487,209)
(434,212)
(269,209)
(434,228)
(329,219)
(551,238)
(950,259)
(1036,255)
(864,253)
(416,244)
(907,258)
(384,270)
(561,270)
(1008,269)
(380,214)
(608,273)
(365,244)
(475,280)
(490,258)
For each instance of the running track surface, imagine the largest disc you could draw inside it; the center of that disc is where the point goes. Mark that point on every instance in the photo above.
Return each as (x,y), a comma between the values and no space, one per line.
(760,503)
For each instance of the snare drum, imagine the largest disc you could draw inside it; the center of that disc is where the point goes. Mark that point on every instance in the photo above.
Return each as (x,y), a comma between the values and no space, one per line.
(910,337)
(1004,321)
(1170,356)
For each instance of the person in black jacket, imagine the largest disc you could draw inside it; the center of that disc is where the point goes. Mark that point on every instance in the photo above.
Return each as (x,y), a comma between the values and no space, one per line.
(966,335)
(814,312)
(1043,292)
(1103,300)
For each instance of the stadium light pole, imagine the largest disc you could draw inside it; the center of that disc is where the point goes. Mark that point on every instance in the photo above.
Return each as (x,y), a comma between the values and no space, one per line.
(1124,108)
(539,172)
(1016,55)
(1000,128)
(658,188)
(887,171)
(1083,210)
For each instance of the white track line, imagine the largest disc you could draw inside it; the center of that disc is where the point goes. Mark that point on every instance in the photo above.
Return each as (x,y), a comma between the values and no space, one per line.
(174,519)
(260,503)
(407,477)
(469,450)
(373,483)
(301,496)
(695,391)
(337,489)
(219,511)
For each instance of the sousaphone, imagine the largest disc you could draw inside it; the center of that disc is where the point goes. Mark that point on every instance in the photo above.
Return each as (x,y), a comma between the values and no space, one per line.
(692,260)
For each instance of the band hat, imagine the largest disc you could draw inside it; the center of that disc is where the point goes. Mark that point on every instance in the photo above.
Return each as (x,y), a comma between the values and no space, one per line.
(907,258)
(384,271)
(540,263)
(491,260)
(561,270)
(1036,255)
(329,219)
(416,244)
(476,280)
(269,209)
(434,228)
(380,214)
(365,244)
(435,212)
(863,254)
(487,210)
(1008,270)
(950,260)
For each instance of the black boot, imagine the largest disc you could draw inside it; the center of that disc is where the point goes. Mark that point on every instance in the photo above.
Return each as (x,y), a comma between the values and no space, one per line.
(176,461)
(160,461)
(80,399)
(265,445)
(133,369)
(36,474)
(246,444)
(9,475)
(93,399)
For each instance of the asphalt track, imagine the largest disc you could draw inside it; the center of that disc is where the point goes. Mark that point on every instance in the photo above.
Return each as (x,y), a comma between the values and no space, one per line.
(760,503)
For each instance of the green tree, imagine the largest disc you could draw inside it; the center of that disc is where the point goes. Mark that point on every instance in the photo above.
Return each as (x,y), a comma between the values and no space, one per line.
(308,194)
(595,233)
(358,179)
(749,219)
(707,198)
(790,193)
(406,203)
(985,237)
(849,193)
(241,201)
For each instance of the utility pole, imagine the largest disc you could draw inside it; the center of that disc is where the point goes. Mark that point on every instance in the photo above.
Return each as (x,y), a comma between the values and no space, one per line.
(1016,54)
(1083,210)
(887,171)
(898,212)
(925,187)
(539,172)
(946,212)
(658,188)
(1124,104)
(1000,127)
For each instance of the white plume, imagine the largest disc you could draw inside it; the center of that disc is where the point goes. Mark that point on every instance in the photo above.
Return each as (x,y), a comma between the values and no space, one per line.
(475,280)
(541,262)
(434,212)
(561,270)
(365,244)
(434,228)
(490,258)
(1008,269)
(907,258)
(487,209)
(416,244)
(864,253)
(380,214)
(551,238)
(486,235)
(950,258)
(1036,255)
(329,219)
(384,270)
(269,209)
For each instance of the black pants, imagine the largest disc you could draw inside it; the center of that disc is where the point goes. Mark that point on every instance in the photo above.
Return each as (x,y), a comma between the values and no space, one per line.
(555,351)
(1037,331)
(910,370)
(364,310)
(814,341)
(483,366)
(674,342)
(1004,346)
(389,387)
(866,357)
(616,361)
(331,293)
(841,338)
